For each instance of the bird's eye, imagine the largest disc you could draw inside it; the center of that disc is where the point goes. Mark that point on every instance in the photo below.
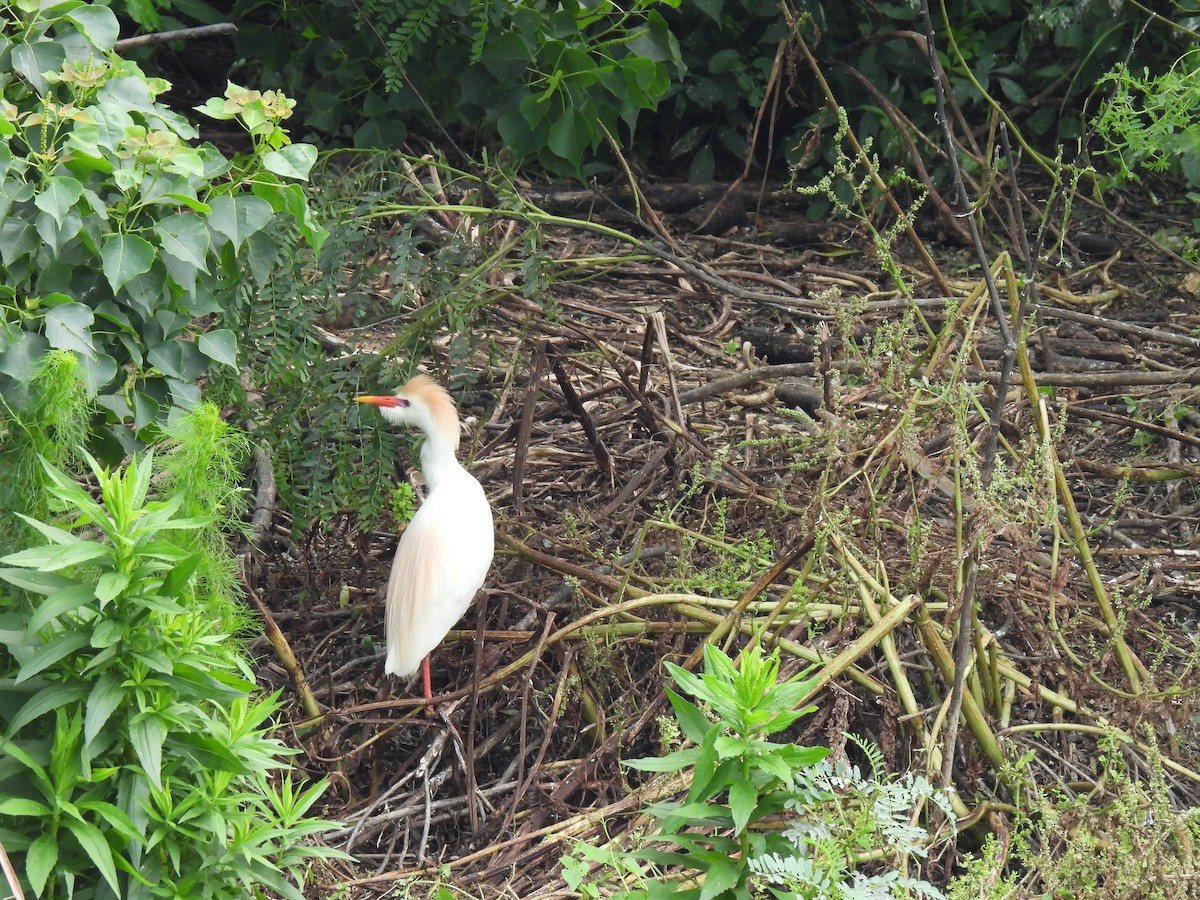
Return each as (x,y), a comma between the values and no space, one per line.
(403,403)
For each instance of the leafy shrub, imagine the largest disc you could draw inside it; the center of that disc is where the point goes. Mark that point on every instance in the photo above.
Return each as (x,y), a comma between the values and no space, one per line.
(136,761)
(740,780)
(552,80)
(118,234)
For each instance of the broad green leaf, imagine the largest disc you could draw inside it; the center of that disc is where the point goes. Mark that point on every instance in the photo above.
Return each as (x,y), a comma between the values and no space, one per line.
(98,371)
(694,723)
(114,816)
(722,875)
(219,345)
(124,257)
(74,496)
(106,633)
(52,533)
(672,762)
(186,238)
(33,61)
(743,797)
(19,361)
(91,839)
(51,652)
(68,327)
(19,806)
(705,769)
(262,255)
(57,236)
(97,23)
(566,138)
(190,202)
(167,357)
(214,108)
(18,238)
(49,698)
(801,757)
(688,812)
(184,394)
(143,468)
(57,556)
(210,754)
(40,859)
(35,581)
(58,195)
(147,733)
(111,585)
(236,218)
(102,702)
(293,161)
(61,601)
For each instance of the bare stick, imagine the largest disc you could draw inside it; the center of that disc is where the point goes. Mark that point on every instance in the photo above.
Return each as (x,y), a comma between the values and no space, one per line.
(966,616)
(179,34)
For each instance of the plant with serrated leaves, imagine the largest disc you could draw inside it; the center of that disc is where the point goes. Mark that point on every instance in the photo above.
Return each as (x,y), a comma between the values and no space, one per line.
(136,759)
(738,778)
(117,232)
(728,843)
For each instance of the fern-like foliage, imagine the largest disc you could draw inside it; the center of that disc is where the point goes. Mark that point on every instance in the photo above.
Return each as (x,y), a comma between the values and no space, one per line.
(418,24)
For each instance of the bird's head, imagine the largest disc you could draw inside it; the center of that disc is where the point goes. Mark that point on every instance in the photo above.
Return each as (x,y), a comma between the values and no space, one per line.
(421,403)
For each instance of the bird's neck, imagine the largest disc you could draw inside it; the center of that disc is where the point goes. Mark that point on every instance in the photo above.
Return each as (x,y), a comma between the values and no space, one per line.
(437,460)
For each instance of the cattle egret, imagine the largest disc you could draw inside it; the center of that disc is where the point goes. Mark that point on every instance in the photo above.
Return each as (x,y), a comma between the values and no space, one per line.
(445,551)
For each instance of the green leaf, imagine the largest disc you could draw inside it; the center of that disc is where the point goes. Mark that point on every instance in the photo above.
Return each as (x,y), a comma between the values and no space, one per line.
(186,238)
(293,161)
(91,839)
(743,798)
(111,585)
(68,327)
(102,702)
(97,23)
(19,806)
(40,859)
(672,762)
(706,767)
(48,698)
(214,108)
(566,139)
(61,601)
(124,257)
(147,733)
(219,345)
(52,533)
(238,217)
(51,652)
(33,61)
(694,723)
(58,196)
(20,361)
(113,815)
(57,556)
(721,876)
(37,582)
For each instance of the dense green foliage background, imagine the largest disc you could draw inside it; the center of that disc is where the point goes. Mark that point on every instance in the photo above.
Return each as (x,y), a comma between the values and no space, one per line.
(681,83)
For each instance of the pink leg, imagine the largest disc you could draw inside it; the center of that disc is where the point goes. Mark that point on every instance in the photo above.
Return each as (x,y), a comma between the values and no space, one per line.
(425,679)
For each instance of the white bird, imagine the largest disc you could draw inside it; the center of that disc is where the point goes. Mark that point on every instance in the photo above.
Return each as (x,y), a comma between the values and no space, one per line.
(447,548)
